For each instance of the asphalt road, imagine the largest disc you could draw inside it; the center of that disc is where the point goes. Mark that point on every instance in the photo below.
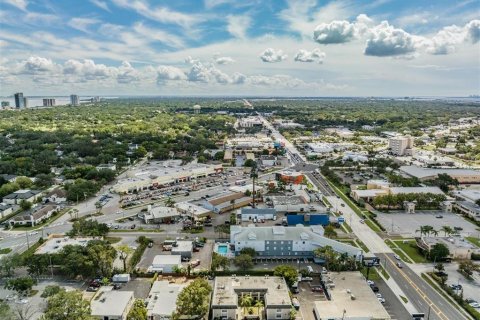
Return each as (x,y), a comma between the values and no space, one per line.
(418,292)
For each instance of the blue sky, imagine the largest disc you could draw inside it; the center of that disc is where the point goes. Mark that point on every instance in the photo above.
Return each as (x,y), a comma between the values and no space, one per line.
(231,47)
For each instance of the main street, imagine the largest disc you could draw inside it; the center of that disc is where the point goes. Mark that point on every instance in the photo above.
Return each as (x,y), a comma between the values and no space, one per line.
(403,281)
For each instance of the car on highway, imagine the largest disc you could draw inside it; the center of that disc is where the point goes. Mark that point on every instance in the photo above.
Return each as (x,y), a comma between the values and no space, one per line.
(133,226)
(399,265)
(439,216)
(33,233)
(396,256)
(456,286)
(362,221)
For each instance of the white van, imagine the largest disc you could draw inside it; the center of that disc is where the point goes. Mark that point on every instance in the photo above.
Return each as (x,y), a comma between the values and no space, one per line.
(310,269)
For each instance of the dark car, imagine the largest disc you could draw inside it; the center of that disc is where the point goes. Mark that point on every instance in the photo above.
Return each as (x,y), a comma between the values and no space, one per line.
(374,288)
(133,226)
(117,286)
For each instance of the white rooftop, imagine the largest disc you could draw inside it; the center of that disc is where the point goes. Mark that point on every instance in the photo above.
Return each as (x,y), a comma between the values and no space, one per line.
(111,303)
(398,190)
(162,298)
(420,172)
(166,259)
(364,306)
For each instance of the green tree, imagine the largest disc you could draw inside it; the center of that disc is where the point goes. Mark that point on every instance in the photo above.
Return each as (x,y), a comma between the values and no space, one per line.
(123,252)
(250,251)
(447,230)
(8,264)
(219,261)
(89,228)
(102,254)
(67,305)
(8,188)
(288,272)
(193,300)
(25,205)
(24,182)
(43,180)
(22,285)
(439,267)
(5,312)
(138,311)
(330,232)
(246,301)
(249,163)
(37,264)
(51,290)
(439,252)
(243,261)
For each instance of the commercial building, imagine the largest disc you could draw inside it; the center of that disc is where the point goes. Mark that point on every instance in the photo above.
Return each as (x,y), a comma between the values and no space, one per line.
(196,212)
(241,144)
(183,249)
(288,176)
(370,194)
(341,132)
(109,304)
(401,146)
(74,100)
(5,104)
(5,209)
(350,299)
(256,214)
(163,173)
(35,215)
(162,299)
(165,263)
(19,100)
(468,208)
(161,215)
(249,122)
(425,174)
(272,291)
(56,243)
(48,102)
(20,195)
(227,201)
(286,242)
(459,248)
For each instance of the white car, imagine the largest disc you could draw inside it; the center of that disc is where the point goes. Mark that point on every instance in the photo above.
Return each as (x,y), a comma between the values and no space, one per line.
(379,295)
(22,301)
(381,300)
(370,283)
(33,233)
(396,256)
(362,221)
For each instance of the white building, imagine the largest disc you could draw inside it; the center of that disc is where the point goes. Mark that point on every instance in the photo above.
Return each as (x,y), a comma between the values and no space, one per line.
(287,242)
(163,173)
(183,249)
(424,174)
(19,195)
(5,209)
(111,304)
(165,263)
(401,146)
(162,299)
(160,214)
(255,214)
(351,299)
(272,291)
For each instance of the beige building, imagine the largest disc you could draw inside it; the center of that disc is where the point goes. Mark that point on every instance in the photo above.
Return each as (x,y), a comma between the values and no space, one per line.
(458,247)
(351,299)
(162,299)
(272,291)
(425,174)
(111,304)
(401,146)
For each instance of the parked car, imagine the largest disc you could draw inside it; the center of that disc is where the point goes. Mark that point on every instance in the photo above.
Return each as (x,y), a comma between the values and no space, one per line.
(317,289)
(296,303)
(92,289)
(374,288)
(381,300)
(307,279)
(370,283)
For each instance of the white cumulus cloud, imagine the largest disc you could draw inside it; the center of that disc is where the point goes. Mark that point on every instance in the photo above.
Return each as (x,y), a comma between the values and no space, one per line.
(224,60)
(170,73)
(271,55)
(385,40)
(334,32)
(316,55)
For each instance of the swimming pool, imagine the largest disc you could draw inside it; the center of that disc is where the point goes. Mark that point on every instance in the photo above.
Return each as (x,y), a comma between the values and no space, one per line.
(222,249)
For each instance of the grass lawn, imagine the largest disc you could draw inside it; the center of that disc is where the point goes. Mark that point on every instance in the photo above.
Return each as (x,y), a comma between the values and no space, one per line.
(397,250)
(5,250)
(113,240)
(48,221)
(348,241)
(410,248)
(136,230)
(373,275)
(474,240)
(404,299)
(362,245)
(373,225)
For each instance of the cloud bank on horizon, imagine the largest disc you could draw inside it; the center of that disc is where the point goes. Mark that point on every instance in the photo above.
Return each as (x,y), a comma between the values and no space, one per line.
(250,47)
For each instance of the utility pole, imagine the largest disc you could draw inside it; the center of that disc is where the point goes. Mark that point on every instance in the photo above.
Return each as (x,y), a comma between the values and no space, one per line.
(428,314)
(51,266)
(28,241)
(253,175)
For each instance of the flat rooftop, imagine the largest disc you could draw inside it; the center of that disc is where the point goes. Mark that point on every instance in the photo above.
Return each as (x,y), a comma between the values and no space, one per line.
(55,244)
(167,259)
(183,246)
(365,305)
(226,289)
(108,302)
(284,200)
(420,172)
(162,299)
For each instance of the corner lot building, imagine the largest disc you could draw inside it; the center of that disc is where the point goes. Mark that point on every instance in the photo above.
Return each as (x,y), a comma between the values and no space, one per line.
(272,291)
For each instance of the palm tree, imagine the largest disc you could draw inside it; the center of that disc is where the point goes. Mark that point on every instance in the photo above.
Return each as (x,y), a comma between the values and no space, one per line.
(253,175)
(246,301)
(447,229)
(434,232)
(258,305)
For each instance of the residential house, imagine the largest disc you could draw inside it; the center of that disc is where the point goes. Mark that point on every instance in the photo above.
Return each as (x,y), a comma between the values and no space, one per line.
(111,304)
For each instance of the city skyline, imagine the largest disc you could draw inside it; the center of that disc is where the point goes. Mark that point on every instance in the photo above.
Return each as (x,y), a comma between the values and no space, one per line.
(256,48)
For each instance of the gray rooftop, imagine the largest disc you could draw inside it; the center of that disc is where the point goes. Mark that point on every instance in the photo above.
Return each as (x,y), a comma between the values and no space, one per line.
(260,211)
(226,290)
(420,172)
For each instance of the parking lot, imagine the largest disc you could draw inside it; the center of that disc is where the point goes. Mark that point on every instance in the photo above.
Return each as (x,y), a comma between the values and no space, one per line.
(307,298)
(405,224)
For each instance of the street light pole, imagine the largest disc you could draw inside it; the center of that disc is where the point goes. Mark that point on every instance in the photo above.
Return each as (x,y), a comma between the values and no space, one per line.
(28,241)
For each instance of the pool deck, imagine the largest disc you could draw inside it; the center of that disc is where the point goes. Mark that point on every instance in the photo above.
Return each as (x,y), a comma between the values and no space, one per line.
(223,249)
